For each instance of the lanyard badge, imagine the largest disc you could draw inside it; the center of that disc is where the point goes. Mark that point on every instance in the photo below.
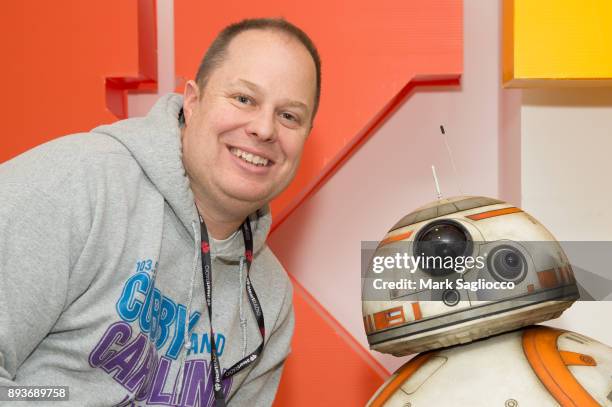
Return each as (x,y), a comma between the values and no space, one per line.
(253,300)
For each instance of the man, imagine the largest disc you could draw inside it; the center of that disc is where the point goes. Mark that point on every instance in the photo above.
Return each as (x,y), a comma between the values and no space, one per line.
(108,239)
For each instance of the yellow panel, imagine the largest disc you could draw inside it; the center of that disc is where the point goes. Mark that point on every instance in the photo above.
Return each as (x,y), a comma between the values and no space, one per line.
(557,42)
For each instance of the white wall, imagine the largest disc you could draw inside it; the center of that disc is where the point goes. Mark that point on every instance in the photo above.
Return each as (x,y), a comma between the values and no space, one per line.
(566,177)
(567,160)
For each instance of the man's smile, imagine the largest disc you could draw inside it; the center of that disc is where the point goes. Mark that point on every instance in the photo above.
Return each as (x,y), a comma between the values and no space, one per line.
(251,157)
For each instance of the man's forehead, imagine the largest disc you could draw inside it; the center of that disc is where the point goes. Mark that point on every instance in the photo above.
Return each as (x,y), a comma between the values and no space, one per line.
(260,35)
(260,44)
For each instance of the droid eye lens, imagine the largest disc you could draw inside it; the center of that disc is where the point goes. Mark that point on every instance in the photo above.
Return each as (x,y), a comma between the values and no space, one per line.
(506,263)
(511,260)
(440,241)
(451,297)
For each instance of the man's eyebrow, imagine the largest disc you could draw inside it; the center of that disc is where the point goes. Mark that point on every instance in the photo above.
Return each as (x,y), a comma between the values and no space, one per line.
(295,103)
(255,88)
(248,84)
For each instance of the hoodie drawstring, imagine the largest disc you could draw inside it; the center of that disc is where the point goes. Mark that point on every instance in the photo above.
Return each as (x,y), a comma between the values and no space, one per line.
(186,341)
(243,321)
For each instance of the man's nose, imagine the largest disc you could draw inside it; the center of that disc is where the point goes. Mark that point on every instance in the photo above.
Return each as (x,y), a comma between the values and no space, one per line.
(263,125)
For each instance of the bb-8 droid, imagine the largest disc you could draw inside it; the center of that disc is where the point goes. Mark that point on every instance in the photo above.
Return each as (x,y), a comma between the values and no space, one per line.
(532,366)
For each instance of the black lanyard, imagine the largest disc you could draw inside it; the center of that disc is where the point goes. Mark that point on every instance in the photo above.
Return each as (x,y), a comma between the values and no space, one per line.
(255,306)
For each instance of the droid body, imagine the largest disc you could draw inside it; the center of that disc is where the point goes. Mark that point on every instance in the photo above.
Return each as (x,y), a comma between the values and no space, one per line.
(536,366)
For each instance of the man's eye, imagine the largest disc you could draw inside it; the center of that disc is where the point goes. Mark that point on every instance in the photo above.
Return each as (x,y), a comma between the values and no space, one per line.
(289,116)
(243,99)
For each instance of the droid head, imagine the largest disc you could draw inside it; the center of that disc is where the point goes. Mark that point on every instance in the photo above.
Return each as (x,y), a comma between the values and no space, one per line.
(460,269)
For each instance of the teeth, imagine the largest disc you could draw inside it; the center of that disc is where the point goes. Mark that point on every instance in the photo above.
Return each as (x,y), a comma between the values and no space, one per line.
(250,158)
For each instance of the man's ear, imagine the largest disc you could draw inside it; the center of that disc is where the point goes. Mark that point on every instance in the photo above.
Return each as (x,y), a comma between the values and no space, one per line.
(191,98)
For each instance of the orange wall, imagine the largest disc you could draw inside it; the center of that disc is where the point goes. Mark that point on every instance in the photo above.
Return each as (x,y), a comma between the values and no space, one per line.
(327,367)
(56,58)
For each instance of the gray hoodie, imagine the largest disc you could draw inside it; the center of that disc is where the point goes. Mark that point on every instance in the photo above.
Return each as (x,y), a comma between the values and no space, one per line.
(101,284)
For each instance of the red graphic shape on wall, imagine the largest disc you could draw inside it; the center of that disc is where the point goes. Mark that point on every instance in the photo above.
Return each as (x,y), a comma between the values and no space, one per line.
(373,54)
(67,65)
(327,366)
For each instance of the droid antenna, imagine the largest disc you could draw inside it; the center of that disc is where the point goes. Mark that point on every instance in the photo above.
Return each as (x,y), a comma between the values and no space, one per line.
(450,155)
(433,171)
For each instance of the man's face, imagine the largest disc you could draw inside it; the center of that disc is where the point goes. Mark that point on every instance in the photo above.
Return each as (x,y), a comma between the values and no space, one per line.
(244,136)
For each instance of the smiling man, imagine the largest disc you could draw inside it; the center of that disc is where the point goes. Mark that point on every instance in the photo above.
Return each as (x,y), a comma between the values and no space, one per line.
(246,122)
(134,268)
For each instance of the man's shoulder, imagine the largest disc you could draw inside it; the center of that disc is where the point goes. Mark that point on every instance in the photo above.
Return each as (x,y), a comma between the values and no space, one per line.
(80,145)
(272,268)
(66,167)
(61,157)
(274,288)
(71,146)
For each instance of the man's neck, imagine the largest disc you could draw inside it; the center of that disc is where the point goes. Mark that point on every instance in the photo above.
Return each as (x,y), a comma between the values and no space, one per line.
(220,230)
(220,225)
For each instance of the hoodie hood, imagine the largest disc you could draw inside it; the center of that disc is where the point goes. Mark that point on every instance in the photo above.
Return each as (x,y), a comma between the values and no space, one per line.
(158,135)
